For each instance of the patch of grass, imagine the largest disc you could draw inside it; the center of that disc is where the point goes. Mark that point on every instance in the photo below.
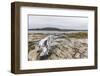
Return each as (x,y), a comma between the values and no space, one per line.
(78,35)
(39,34)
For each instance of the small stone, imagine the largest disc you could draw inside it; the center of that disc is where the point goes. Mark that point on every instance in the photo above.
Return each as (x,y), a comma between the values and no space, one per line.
(77,55)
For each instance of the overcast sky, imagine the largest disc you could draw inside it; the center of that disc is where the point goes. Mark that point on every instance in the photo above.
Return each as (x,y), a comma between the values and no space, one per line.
(61,22)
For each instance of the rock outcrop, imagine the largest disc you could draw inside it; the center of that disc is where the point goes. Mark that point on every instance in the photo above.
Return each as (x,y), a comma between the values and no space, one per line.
(62,48)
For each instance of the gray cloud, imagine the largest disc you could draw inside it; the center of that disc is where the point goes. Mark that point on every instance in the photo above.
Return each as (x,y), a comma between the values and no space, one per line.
(61,22)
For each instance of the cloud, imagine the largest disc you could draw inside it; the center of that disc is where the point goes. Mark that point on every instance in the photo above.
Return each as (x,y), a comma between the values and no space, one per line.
(61,22)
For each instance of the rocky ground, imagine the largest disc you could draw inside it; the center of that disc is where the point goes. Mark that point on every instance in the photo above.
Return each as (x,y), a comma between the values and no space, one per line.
(68,46)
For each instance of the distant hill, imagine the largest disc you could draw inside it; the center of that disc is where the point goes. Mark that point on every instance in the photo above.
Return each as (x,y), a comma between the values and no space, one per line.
(55,29)
(49,28)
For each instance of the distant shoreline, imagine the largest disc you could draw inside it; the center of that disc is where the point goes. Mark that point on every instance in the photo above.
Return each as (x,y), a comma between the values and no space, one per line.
(48,31)
(53,30)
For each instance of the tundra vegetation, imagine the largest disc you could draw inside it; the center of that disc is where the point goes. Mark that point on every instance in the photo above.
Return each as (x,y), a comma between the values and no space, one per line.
(65,46)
